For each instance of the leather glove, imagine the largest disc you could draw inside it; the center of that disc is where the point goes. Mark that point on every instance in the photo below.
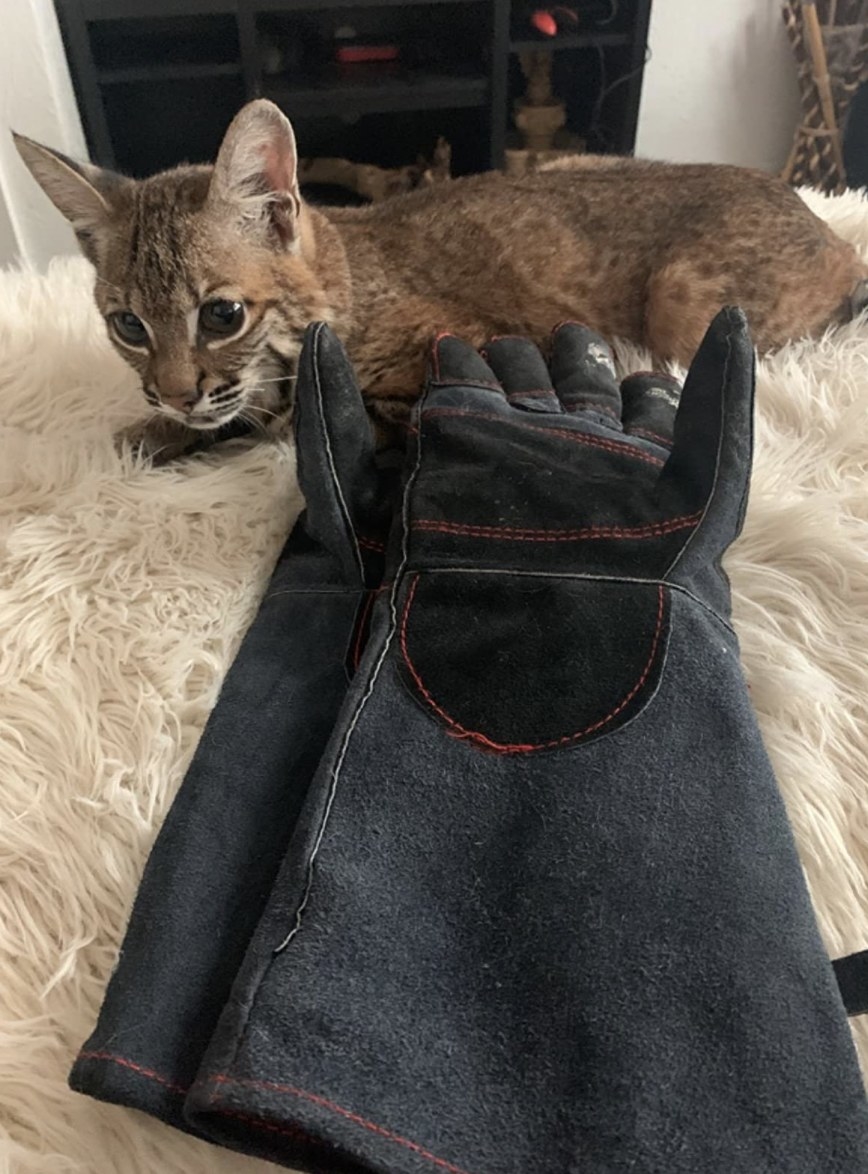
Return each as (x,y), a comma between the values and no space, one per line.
(213,864)
(542,910)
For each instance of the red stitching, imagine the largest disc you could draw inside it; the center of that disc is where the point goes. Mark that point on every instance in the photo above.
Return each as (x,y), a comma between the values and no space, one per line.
(124,1063)
(664,440)
(586,533)
(459,382)
(435,350)
(371,544)
(626,450)
(523,748)
(547,392)
(291,1131)
(577,404)
(363,620)
(388,1134)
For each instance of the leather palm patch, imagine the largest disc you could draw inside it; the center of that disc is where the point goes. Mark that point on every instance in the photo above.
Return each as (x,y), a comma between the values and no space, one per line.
(516,663)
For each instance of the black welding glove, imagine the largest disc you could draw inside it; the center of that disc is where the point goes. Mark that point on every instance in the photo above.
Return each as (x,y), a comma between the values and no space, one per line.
(215,859)
(543,909)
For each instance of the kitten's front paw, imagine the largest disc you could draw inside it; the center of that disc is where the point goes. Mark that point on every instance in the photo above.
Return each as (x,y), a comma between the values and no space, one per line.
(158,439)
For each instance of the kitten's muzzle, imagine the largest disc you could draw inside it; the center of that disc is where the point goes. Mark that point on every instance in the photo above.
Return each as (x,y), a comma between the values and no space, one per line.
(183,401)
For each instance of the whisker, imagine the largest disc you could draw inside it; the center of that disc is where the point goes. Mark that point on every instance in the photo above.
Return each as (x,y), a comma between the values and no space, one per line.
(109,285)
(243,415)
(267,412)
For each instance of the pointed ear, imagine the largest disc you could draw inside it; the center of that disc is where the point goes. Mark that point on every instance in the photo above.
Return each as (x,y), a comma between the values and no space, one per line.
(79,190)
(256,173)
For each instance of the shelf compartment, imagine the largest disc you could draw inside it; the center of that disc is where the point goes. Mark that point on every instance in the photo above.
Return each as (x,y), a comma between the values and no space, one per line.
(183,71)
(168,48)
(447,41)
(376,95)
(162,140)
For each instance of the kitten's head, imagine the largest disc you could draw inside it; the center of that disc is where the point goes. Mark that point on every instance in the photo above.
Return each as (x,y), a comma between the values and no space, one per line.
(204,275)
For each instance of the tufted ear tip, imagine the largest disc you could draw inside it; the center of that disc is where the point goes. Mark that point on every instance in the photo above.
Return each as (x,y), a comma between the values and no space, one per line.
(80,191)
(256,173)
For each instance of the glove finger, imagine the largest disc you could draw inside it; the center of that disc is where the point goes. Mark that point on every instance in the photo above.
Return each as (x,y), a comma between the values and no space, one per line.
(709,466)
(337,472)
(455,361)
(584,374)
(523,373)
(650,401)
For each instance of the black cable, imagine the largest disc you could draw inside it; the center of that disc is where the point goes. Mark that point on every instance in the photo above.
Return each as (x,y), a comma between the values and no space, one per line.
(606,91)
(614,6)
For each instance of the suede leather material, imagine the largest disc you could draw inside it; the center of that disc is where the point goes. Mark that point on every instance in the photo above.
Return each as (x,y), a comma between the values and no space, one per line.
(489,955)
(648,399)
(214,862)
(599,959)
(484,682)
(639,504)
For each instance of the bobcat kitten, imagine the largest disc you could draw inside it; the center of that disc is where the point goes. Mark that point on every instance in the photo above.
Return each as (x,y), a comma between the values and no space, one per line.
(207,277)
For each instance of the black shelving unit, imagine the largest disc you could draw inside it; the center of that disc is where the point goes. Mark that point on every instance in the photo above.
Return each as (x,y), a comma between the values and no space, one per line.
(158,80)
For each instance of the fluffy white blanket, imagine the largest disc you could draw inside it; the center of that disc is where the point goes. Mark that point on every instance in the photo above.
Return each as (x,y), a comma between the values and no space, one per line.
(124,592)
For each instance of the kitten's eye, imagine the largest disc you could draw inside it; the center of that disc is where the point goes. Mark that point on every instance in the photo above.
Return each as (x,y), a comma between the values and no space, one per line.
(221,317)
(129,328)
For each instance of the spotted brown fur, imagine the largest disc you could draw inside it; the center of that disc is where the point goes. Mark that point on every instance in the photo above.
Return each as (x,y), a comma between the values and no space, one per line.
(645,251)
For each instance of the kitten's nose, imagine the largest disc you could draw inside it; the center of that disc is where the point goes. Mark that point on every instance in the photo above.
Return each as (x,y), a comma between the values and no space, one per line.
(183,401)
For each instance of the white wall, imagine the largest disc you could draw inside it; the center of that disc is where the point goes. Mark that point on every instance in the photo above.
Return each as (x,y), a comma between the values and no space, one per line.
(8,243)
(720,86)
(36,99)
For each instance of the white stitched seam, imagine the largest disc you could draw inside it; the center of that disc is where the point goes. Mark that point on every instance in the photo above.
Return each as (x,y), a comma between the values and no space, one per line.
(578,577)
(354,721)
(717,462)
(331,459)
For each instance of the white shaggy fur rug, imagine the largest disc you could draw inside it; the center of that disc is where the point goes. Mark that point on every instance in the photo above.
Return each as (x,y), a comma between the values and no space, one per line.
(124,592)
